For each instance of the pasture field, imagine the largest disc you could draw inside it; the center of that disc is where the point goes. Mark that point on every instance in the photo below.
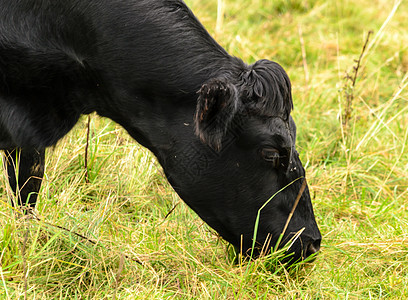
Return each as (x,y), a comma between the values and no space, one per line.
(139,241)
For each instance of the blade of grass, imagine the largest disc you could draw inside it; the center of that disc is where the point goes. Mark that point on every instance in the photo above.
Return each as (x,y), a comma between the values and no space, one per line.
(259,215)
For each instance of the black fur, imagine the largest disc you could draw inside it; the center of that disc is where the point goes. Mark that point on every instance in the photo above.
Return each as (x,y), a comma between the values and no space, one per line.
(152,67)
(267,89)
(263,89)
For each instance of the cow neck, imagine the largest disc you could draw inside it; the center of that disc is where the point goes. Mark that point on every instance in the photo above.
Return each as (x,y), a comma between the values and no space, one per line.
(163,121)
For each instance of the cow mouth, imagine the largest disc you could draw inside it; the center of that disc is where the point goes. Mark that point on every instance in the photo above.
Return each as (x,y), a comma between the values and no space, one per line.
(288,257)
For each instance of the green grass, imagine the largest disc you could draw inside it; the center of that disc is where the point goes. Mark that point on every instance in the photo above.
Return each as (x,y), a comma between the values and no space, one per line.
(358,177)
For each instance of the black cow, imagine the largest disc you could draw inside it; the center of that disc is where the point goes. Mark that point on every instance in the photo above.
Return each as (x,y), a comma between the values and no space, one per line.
(221,129)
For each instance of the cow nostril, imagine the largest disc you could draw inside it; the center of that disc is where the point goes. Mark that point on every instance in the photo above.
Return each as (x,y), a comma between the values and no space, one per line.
(313,247)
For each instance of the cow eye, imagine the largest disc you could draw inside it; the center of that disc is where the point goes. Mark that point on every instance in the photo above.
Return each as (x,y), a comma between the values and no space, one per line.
(271,155)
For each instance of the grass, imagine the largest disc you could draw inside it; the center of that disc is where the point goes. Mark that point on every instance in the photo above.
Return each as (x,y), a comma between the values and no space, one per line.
(358,177)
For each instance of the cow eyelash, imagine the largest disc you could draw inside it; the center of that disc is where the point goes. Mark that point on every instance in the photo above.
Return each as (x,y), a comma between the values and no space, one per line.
(271,155)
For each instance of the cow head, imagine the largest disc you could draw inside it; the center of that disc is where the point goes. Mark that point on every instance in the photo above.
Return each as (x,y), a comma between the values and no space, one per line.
(246,154)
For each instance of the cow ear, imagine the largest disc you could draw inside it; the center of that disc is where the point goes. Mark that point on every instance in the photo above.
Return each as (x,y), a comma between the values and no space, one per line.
(216,107)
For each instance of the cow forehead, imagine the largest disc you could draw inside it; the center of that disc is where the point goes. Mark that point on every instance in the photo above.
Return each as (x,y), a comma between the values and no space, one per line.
(278,125)
(261,129)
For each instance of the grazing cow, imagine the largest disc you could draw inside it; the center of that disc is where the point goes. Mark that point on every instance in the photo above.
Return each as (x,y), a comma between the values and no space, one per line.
(221,129)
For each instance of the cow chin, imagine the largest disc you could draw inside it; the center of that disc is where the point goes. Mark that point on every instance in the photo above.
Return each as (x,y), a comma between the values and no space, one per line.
(301,237)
